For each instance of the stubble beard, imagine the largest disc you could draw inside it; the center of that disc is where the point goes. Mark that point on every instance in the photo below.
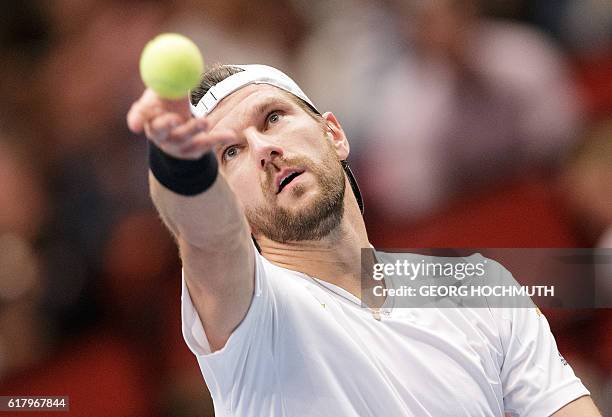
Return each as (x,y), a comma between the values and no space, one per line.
(313,222)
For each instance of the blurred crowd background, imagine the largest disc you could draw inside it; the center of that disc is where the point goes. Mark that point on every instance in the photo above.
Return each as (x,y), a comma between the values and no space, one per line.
(472,124)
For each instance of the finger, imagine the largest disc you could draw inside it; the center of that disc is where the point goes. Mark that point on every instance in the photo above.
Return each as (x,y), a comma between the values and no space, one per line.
(135,121)
(205,142)
(146,107)
(149,112)
(180,106)
(149,96)
(159,127)
(140,114)
(211,140)
(192,153)
(187,130)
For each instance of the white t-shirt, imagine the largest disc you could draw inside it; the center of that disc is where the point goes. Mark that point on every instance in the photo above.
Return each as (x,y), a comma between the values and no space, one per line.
(307,348)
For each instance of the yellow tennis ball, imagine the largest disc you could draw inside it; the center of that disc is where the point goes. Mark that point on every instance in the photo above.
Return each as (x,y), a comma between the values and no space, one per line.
(171,65)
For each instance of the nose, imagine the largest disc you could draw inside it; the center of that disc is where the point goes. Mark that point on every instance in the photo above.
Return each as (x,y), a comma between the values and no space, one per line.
(264,148)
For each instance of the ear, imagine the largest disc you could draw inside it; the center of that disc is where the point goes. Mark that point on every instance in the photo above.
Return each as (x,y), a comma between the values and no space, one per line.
(337,136)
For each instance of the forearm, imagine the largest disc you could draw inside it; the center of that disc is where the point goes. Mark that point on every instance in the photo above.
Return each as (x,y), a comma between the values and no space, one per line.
(205,220)
(217,256)
(194,200)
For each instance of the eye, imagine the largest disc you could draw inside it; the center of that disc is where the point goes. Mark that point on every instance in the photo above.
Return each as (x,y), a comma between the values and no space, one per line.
(273,117)
(230,153)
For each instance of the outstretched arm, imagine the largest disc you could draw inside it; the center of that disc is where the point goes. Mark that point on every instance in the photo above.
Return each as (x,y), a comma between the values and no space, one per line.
(208,224)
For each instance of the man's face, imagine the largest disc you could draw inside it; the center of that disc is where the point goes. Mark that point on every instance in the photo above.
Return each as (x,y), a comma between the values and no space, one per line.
(284,166)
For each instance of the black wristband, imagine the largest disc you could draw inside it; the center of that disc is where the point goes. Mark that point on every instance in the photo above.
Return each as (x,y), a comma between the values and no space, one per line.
(183,176)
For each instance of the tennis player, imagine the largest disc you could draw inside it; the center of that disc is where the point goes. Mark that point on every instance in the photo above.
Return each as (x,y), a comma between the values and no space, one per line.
(252,181)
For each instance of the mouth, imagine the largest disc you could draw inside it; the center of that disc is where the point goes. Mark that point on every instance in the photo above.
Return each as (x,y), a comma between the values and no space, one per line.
(285,177)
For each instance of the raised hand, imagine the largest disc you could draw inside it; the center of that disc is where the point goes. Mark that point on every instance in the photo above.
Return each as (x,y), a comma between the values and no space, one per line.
(168,123)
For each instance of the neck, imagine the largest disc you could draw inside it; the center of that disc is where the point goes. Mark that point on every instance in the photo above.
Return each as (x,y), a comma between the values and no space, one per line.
(336,258)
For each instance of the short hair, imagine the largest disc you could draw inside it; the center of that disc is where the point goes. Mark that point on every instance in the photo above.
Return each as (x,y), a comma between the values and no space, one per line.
(219,72)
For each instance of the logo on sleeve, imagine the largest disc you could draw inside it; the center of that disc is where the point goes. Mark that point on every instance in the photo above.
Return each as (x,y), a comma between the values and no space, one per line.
(563,361)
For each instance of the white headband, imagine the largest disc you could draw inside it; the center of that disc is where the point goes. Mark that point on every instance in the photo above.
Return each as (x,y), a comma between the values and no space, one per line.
(252,74)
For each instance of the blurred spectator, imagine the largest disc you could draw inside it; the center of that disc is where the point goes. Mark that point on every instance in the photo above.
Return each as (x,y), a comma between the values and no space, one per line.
(344,58)
(587,182)
(24,340)
(585,29)
(585,26)
(240,31)
(24,39)
(23,326)
(90,73)
(473,101)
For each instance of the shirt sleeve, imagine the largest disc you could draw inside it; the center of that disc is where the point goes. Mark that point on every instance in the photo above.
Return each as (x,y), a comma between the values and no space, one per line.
(253,337)
(536,379)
